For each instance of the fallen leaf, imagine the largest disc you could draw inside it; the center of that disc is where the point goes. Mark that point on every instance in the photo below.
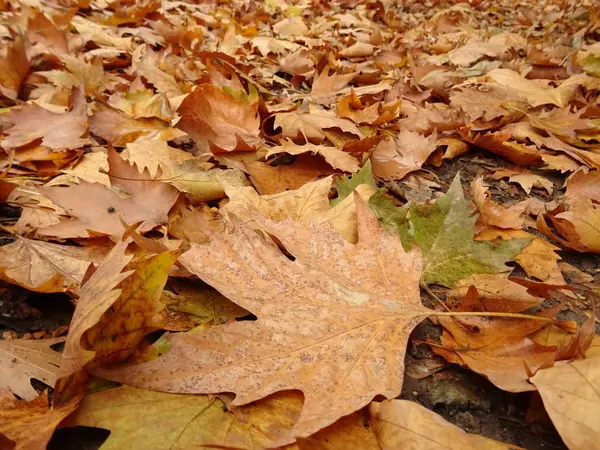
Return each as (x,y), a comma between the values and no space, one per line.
(405,424)
(45,267)
(336,158)
(310,126)
(118,129)
(30,425)
(310,203)
(325,86)
(497,348)
(444,233)
(98,293)
(577,222)
(570,395)
(56,131)
(274,179)
(14,66)
(525,179)
(584,185)
(328,275)
(393,159)
(346,185)
(492,213)
(23,360)
(212,116)
(147,201)
(538,259)
(129,318)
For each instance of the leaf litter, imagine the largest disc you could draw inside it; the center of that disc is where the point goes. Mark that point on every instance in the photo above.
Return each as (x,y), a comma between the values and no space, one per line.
(266,214)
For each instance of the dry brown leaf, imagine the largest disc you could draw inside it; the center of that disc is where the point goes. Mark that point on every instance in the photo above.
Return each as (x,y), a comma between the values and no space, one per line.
(525,179)
(45,267)
(492,213)
(584,185)
(118,129)
(310,126)
(336,158)
(362,305)
(98,293)
(325,86)
(401,424)
(272,180)
(310,203)
(496,293)
(56,131)
(538,94)
(577,222)
(21,360)
(539,259)
(14,66)
(497,348)
(135,198)
(212,116)
(30,425)
(571,396)
(393,159)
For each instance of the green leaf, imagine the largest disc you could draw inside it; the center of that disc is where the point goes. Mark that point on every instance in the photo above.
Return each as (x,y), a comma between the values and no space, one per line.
(444,231)
(591,64)
(346,185)
(394,218)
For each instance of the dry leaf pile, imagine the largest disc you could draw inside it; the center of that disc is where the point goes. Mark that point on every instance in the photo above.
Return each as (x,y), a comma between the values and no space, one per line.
(252,206)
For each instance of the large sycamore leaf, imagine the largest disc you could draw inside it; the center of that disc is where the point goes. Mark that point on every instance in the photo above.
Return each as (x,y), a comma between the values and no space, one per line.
(333,323)
(571,395)
(29,425)
(444,231)
(21,360)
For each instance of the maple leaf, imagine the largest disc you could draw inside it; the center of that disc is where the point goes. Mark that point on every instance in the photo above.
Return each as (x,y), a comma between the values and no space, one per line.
(584,185)
(310,203)
(336,158)
(56,131)
(212,116)
(444,233)
(149,202)
(570,395)
(538,259)
(361,306)
(346,185)
(21,360)
(325,86)
(45,267)
(29,425)
(393,159)
(525,179)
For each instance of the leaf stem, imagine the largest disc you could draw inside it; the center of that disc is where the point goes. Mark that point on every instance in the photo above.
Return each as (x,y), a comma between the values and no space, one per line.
(491,314)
